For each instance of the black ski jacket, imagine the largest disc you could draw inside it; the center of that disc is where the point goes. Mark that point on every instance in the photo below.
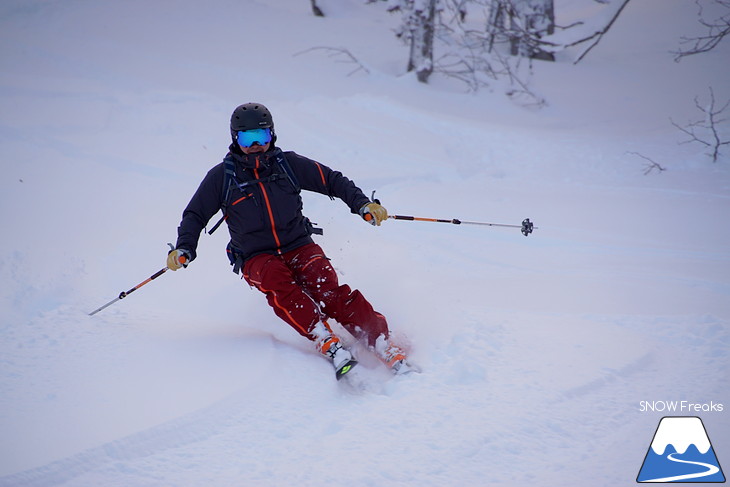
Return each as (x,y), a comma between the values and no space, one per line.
(263,217)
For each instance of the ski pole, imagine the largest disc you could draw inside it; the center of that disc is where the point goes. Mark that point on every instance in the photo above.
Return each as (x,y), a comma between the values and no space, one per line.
(526,227)
(124,294)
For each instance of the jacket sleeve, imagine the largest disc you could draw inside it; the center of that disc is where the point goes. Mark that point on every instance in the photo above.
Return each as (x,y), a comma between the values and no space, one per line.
(314,176)
(204,204)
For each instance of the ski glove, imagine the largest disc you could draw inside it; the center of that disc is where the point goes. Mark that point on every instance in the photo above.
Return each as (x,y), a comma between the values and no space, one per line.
(374,213)
(178,258)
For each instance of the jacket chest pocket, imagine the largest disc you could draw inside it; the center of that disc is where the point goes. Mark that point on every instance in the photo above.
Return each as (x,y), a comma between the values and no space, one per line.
(245,212)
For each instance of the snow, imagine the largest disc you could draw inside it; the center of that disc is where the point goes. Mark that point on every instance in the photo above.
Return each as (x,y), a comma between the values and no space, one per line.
(536,350)
(689,430)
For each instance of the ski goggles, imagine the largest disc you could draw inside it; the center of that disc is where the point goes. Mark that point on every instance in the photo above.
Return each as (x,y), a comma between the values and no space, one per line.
(247,138)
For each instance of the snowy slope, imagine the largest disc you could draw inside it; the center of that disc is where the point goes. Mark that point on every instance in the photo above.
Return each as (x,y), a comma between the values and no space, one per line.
(536,351)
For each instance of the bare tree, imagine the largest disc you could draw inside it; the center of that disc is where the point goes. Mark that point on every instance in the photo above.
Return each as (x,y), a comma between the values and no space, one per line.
(523,23)
(497,22)
(418,30)
(459,7)
(481,57)
(513,34)
(316,10)
(528,24)
(469,60)
(716,31)
(706,131)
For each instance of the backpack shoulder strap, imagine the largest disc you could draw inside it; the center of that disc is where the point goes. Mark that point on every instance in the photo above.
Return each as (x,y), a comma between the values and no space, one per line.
(289,173)
(286,168)
(229,179)
(229,175)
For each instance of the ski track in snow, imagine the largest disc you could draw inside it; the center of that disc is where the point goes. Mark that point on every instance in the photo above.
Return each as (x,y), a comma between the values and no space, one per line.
(469,399)
(535,351)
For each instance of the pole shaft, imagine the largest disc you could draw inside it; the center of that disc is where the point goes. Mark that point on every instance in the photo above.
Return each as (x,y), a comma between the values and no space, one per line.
(492,224)
(419,219)
(105,306)
(455,221)
(124,294)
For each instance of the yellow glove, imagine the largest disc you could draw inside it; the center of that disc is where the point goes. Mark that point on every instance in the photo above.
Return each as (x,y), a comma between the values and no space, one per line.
(374,213)
(178,258)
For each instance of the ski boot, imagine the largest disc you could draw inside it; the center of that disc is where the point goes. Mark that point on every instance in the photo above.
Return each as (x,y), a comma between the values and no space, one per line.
(394,357)
(329,345)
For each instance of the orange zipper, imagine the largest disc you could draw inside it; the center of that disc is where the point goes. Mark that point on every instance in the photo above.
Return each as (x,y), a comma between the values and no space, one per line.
(241,199)
(268,208)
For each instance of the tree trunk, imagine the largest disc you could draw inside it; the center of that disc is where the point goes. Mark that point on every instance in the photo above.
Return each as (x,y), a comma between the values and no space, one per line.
(316,10)
(496,25)
(421,22)
(529,21)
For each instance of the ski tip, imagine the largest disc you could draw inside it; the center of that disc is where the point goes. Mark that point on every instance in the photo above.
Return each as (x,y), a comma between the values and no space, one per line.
(406,368)
(340,373)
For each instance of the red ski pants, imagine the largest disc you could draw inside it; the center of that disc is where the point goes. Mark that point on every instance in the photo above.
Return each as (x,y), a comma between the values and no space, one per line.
(302,288)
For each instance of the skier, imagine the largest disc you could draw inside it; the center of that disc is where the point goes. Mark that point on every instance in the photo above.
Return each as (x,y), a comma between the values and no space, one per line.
(257,187)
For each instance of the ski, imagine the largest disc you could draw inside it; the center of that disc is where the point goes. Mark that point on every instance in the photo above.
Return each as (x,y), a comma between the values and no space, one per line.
(406,368)
(345,368)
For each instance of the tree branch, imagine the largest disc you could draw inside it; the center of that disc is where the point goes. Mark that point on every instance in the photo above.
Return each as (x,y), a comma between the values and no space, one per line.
(709,124)
(345,55)
(598,35)
(650,165)
(716,32)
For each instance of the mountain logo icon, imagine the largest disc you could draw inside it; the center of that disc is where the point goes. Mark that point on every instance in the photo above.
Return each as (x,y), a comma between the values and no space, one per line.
(680,452)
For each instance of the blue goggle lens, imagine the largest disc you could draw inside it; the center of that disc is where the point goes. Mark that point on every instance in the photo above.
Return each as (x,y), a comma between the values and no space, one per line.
(247,138)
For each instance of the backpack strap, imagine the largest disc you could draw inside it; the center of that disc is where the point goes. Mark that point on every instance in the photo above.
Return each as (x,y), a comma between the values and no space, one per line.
(229,176)
(286,168)
(229,179)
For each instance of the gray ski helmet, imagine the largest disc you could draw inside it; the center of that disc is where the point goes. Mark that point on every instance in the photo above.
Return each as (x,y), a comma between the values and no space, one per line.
(251,116)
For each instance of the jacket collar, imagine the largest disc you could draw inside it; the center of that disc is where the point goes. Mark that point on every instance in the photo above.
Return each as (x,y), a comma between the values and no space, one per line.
(253,161)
